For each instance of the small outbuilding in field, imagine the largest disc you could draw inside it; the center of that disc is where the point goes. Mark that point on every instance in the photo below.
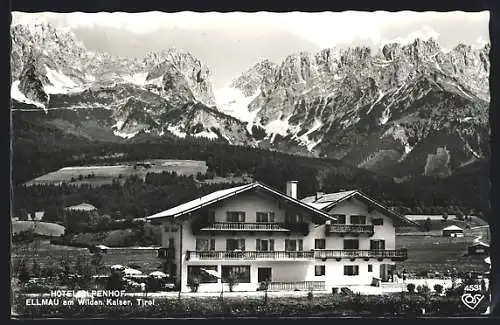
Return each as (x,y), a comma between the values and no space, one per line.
(478,248)
(453,231)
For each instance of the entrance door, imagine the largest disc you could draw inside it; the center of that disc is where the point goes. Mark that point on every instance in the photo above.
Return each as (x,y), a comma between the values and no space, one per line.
(264,274)
(383,272)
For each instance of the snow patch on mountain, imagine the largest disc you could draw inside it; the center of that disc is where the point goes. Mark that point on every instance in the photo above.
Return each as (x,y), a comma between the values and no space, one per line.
(138,79)
(233,102)
(16,94)
(125,135)
(277,127)
(176,130)
(380,96)
(207,134)
(59,83)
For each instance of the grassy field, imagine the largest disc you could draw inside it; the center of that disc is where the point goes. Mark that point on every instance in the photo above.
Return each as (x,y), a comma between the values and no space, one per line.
(38,227)
(106,173)
(45,254)
(432,252)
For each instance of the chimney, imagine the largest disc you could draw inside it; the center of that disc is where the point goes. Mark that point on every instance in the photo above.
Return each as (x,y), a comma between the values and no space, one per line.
(319,195)
(291,189)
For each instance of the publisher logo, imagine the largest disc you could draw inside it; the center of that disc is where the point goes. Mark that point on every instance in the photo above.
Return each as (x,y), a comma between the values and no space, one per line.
(472,296)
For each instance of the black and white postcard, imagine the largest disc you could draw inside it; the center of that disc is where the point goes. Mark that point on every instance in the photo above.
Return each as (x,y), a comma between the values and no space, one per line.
(207,164)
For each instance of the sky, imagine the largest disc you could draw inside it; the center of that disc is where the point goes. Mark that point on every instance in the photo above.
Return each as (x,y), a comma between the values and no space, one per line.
(230,43)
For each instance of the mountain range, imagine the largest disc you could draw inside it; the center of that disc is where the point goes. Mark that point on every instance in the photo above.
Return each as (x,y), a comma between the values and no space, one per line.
(405,110)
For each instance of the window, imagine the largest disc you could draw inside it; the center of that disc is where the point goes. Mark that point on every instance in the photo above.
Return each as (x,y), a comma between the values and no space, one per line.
(319,270)
(235,216)
(264,245)
(205,244)
(351,244)
(293,218)
(377,244)
(265,217)
(378,222)
(171,242)
(340,218)
(370,268)
(358,220)
(242,273)
(351,269)
(174,229)
(319,244)
(202,276)
(166,228)
(294,245)
(233,244)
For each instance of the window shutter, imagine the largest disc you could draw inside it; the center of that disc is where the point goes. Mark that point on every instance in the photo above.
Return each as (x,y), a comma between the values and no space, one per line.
(242,244)
(271,217)
(271,245)
(257,245)
(212,244)
(301,248)
(242,216)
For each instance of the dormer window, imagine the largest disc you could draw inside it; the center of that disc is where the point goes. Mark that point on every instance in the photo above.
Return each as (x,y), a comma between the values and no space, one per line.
(235,216)
(340,218)
(358,220)
(265,217)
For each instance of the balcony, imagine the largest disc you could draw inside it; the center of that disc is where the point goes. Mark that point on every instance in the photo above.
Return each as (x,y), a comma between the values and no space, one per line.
(166,252)
(302,228)
(249,255)
(244,226)
(351,229)
(297,285)
(395,254)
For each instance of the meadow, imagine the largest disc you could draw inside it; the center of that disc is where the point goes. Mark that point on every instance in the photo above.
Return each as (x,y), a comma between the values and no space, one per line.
(45,253)
(97,175)
(38,228)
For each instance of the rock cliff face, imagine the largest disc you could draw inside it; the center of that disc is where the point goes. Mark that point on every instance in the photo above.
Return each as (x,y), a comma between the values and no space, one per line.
(168,91)
(390,110)
(406,110)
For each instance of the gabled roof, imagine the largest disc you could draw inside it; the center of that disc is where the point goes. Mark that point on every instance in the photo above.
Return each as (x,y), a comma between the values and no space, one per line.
(330,200)
(227,193)
(452,227)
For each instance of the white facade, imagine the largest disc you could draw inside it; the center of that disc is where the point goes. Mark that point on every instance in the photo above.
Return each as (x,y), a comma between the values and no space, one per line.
(304,263)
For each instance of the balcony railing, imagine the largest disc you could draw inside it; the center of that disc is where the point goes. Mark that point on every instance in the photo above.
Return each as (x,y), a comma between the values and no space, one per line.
(397,254)
(249,255)
(301,227)
(244,226)
(297,285)
(166,252)
(351,229)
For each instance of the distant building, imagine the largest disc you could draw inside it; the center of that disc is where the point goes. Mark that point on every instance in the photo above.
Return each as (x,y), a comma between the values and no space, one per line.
(453,231)
(81,207)
(479,248)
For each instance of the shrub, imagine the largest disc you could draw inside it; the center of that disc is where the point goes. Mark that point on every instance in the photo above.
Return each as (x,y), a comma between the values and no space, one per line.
(438,288)
(115,281)
(423,290)
(445,216)
(410,287)
(231,280)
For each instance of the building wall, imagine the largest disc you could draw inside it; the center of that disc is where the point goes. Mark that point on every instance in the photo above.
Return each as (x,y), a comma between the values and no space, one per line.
(284,271)
(387,231)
